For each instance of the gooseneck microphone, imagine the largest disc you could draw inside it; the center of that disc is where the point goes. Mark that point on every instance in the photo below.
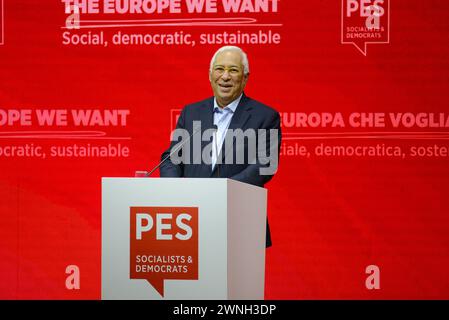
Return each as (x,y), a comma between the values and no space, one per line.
(173,151)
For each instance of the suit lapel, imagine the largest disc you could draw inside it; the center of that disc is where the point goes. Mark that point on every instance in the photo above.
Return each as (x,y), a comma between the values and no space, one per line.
(241,114)
(207,122)
(207,115)
(238,121)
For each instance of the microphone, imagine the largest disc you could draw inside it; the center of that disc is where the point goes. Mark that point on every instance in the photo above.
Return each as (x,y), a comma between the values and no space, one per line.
(215,127)
(173,151)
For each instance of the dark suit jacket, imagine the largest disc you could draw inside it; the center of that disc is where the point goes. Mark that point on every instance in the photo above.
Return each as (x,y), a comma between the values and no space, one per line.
(249,114)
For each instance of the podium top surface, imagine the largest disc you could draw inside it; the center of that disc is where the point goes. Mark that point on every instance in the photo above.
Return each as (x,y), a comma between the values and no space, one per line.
(187,181)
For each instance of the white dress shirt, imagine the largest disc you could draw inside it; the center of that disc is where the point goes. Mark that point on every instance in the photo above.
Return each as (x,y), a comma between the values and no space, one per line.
(222,119)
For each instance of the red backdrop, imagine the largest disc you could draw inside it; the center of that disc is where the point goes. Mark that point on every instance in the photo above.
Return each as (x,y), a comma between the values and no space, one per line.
(331,216)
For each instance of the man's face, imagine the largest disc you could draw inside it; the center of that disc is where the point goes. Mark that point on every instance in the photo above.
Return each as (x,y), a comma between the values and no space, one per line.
(227,77)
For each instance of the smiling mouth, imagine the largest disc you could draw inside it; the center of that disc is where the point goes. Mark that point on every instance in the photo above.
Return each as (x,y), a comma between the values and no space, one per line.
(225,86)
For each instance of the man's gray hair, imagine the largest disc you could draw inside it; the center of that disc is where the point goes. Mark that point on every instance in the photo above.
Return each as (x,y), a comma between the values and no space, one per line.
(231,48)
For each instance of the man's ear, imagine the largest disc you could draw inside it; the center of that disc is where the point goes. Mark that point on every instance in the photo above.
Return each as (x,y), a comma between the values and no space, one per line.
(246,76)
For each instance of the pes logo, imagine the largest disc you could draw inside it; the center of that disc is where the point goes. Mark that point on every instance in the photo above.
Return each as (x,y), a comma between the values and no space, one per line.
(163,244)
(365,21)
(2,23)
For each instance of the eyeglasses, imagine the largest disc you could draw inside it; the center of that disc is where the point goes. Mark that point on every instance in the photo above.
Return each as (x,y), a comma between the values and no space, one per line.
(220,70)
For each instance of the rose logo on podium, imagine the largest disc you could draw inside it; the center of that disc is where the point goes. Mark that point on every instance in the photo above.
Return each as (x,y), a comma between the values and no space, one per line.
(163,244)
(365,21)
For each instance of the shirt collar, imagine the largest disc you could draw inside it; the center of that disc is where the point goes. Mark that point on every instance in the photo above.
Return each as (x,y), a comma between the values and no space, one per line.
(232,106)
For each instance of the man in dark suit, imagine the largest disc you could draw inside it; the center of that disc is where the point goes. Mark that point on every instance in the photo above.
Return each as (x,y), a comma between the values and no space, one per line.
(230,111)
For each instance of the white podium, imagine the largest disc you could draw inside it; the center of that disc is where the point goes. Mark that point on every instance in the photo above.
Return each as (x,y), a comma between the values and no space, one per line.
(148,222)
